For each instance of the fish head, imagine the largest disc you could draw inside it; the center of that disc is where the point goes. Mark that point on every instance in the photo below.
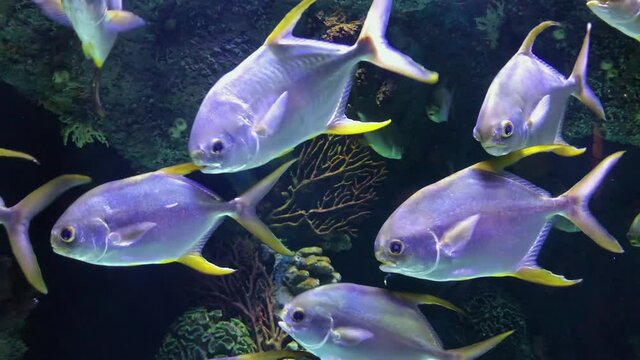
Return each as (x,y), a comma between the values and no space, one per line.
(307,319)
(614,11)
(499,129)
(408,249)
(222,139)
(80,238)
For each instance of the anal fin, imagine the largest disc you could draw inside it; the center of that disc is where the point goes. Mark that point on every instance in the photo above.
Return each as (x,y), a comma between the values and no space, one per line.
(544,277)
(346,126)
(200,264)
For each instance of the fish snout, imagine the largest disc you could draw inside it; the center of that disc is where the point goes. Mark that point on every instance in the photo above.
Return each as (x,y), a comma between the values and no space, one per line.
(198,157)
(476,134)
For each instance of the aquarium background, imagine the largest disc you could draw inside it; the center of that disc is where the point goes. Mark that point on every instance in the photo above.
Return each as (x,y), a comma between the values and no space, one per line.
(152,85)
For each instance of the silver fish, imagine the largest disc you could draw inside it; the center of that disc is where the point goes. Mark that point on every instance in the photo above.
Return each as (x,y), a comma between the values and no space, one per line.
(385,142)
(16,221)
(273,355)
(288,91)
(354,322)
(440,109)
(526,101)
(483,221)
(623,15)
(634,232)
(156,218)
(96,22)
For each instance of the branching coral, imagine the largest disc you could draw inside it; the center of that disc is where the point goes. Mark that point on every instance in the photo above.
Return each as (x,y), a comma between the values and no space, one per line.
(331,189)
(80,133)
(490,23)
(249,292)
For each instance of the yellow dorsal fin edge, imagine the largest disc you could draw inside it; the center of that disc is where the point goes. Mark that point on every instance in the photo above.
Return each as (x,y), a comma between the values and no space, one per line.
(285,27)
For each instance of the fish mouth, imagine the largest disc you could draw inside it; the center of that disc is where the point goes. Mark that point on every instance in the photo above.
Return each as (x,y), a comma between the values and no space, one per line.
(388,266)
(495,149)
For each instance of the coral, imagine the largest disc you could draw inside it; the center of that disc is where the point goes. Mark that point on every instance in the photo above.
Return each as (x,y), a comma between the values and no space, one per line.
(491,311)
(80,133)
(203,334)
(330,191)
(490,23)
(309,269)
(248,293)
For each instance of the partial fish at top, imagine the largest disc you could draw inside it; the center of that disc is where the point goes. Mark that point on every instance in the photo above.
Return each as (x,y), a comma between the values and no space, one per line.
(288,91)
(623,15)
(526,102)
(97,24)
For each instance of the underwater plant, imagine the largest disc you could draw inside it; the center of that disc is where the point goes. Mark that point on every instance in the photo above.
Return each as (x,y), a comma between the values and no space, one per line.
(490,23)
(249,293)
(202,334)
(80,133)
(331,191)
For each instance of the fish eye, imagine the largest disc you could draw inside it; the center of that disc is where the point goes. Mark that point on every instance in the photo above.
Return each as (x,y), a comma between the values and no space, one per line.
(217,146)
(68,234)
(396,247)
(298,315)
(507,128)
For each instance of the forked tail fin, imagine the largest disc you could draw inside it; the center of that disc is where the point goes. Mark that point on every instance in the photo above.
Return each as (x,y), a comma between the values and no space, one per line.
(373,42)
(245,211)
(578,210)
(17,218)
(579,75)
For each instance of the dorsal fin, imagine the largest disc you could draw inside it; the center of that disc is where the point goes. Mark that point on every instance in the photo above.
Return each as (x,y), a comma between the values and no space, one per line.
(286,25)
(499,163)
(423,299)
(17,154)
(527,44)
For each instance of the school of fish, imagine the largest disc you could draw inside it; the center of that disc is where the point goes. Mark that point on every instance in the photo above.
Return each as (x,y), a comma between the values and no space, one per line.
(481,221)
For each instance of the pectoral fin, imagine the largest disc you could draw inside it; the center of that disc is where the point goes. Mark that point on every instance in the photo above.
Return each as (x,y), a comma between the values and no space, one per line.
(130,234)
(540,112)
(182,169)
(198,263)
(345,126)
(423,299)
(272,120)
(543,277)
(120,20)
(350,335)
(459,235)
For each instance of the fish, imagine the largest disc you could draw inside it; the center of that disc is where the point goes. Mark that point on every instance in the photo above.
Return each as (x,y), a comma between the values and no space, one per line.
(526,102)
(16,220)
(634,232)
(273,355)
(623,15)
(439,110)
(289,91)
(18,155)
(486,222)
(157,218)
(354,322)
(385,142)
(97,24)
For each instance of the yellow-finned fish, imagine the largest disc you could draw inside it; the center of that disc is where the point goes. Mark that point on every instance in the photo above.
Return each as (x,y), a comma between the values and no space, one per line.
(288,91)
(623,15)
